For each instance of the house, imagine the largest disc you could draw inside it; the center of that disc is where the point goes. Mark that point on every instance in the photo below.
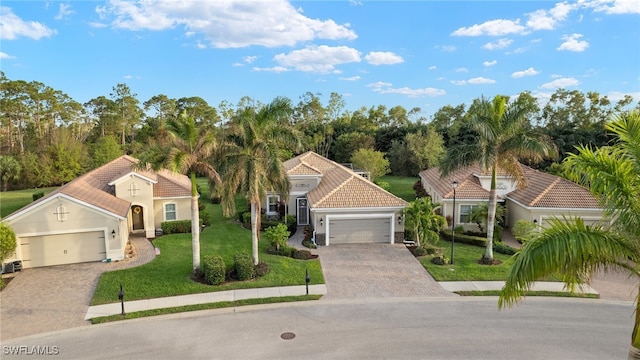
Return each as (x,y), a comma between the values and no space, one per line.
(91,217)
(545,196)
(340,205)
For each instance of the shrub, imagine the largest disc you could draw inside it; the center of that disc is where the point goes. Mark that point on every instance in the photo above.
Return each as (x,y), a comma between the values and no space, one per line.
(420,191)
(522,229)
(309,244)
(440,260)
(213,269)
(243,264)
(431,250)
(277,235)
(205,219)
(383,184)
(301,254)
(261,269)
(503,249)
(246,217)
(286,251)
(37,195)
(465,239)
(176,226)
(419,251)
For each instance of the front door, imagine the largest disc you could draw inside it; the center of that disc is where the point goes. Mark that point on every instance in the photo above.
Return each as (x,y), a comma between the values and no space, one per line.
(302,213)
(137,217)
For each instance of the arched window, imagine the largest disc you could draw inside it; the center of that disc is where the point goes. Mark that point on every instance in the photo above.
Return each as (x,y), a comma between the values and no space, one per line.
(61,213)
(133,189)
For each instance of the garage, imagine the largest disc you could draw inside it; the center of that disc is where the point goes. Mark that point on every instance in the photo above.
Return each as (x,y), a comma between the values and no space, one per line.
(47,250)
(351,231)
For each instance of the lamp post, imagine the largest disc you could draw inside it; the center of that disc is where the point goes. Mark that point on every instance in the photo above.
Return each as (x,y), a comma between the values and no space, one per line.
(454,184)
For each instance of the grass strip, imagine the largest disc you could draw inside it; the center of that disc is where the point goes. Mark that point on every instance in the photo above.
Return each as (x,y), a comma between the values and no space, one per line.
(197,307)
(530,293)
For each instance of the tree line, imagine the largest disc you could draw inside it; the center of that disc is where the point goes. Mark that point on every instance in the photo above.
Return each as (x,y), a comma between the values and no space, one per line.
(47,138)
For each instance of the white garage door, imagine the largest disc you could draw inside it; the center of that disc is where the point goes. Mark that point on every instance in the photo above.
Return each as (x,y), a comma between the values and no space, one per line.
(59,249)
(349,231)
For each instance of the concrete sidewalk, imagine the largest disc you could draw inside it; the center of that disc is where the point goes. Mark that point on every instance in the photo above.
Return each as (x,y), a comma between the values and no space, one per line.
(454,286)
(203,298)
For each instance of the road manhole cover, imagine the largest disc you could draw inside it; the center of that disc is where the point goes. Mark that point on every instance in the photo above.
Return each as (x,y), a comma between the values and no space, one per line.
(287,335)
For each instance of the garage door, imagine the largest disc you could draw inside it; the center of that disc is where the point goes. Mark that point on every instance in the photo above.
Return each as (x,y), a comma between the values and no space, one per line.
(349,231)
(62,249)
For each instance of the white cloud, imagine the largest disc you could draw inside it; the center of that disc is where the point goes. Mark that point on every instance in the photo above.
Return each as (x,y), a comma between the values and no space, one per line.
(249,59)
(433,67)
(275,69)
(490,63)
(462,70)
(529,72)
(383,58)
(320,59)
(616,96)
(227,24)
(351,78)
(386,88)
(500,44)
(12,27)
(64,11)
(497,27)
(618,6)
(459,82)
(447,48)
(548,20)
(5,56)
(572,43)
(560,83)
(481,80)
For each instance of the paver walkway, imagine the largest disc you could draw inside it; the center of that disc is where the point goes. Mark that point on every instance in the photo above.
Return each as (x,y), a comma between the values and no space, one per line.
(360,271)
(57,297)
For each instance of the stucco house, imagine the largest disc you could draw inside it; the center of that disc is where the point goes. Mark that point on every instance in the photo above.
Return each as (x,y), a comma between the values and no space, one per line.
(91,217)
(545,196)
(340,205)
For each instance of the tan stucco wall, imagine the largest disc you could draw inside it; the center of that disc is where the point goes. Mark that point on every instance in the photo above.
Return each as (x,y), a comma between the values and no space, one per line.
(517,212)
(183,211)
(42,220)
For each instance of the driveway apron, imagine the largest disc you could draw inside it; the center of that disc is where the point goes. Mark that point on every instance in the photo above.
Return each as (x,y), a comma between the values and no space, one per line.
(54,298)
(361,271)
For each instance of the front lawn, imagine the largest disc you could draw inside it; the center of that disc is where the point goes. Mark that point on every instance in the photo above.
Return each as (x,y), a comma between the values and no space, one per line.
(168,274)
(466,267)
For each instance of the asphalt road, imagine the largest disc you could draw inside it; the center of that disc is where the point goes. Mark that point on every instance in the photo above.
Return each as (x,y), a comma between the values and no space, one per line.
(453,328)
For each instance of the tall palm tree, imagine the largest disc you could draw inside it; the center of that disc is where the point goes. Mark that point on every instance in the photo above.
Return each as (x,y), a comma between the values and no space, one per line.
(252,164)
(189,152)
(575,250)
(502,140)
(422,219)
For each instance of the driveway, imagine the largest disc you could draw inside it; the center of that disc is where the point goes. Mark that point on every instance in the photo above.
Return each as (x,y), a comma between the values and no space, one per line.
(361,271)
(57,297)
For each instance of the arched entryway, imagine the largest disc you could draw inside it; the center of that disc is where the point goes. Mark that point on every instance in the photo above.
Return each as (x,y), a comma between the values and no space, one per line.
(137,217)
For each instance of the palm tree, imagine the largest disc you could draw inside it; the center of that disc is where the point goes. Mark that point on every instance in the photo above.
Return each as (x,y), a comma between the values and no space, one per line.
(502,140)
(479,214)
(189,152)
(575,250)
(252,163)
(421,218)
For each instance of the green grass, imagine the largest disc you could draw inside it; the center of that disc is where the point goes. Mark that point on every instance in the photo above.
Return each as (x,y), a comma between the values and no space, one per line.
(401,186)
(168,274)
(209,306)
(11,201)
(466,267)
(531,293)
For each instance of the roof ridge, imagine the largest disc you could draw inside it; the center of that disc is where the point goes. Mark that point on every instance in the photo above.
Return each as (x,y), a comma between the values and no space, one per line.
(545,191)
(342,184)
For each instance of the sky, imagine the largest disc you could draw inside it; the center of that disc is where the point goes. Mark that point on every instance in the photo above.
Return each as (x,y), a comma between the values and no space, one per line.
(424,54)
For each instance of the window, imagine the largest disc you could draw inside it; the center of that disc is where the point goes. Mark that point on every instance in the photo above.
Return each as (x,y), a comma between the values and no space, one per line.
(272,204)
(61,213)
(170,212)
(465,213)
(133,189)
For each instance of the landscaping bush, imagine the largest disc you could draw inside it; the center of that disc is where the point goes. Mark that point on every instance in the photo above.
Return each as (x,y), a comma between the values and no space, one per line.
(213,269)
(465,239)
(431,250)
(286,251)
(309,244)
(37,195)
(440,260)
(419,251)
(522,229)
(503,249)
(301,254)
(243,264)
(277,235)
(261,269)
(383,184)
(176,227)
(246,217)
(420,191)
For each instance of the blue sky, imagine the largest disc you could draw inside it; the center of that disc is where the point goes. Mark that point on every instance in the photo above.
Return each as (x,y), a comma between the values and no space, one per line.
(423,54)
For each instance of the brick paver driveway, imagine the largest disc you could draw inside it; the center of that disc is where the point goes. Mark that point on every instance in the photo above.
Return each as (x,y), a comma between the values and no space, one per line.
(54,298)
(360,271)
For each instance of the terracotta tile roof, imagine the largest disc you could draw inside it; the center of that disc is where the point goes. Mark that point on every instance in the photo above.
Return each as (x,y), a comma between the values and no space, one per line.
(340,187)
(550,191)
(93,187)
(542,190)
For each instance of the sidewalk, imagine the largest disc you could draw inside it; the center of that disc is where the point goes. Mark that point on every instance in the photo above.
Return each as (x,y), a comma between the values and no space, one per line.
(497,285)
(203,298)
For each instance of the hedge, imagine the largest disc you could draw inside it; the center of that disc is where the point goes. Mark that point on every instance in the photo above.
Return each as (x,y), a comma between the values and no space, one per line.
(213,269)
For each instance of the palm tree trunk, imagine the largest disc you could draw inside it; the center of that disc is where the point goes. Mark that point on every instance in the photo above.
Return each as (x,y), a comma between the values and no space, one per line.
(254,232)
(195,224)
(491,217)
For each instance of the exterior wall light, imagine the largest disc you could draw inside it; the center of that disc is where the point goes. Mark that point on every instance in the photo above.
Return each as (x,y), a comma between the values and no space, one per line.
(113,233)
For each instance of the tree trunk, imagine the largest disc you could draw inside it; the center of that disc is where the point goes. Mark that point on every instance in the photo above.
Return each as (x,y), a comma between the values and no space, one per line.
(254,232)
(491,217)
(195,224)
